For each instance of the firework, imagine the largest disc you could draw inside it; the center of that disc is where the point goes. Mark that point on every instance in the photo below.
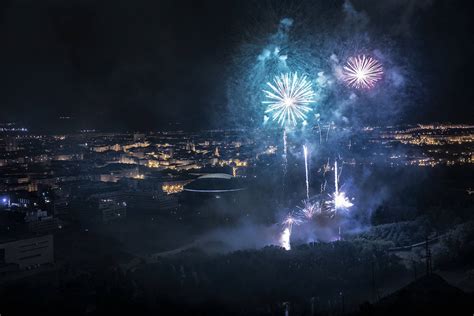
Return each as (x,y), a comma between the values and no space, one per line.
(305,152)
(341,201)
(291,220)
(285,151)
(288,222)
(309,210)
(289,98)
(362,72)
(338,200)
(285,159)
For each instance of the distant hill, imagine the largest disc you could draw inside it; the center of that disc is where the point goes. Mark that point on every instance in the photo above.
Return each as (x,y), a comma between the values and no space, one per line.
(429,295)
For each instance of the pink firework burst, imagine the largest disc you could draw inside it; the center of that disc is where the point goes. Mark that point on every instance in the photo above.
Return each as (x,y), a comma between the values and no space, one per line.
(362,72)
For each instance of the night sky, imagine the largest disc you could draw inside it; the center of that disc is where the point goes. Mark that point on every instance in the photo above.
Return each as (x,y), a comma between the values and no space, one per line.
(148,64)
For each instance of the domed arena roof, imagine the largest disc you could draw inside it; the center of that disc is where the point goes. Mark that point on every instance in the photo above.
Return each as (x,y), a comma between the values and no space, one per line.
(215,183)
(216,176)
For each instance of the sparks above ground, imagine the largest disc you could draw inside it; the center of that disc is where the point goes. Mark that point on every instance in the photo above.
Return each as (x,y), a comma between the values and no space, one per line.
(310,209)
(362,72)
(289,98)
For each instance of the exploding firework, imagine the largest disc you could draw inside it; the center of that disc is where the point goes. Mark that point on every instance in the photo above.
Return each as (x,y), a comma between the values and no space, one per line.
(291,220)
(341,201)
(309,209)
(362,72)
(289,98)
(338,202)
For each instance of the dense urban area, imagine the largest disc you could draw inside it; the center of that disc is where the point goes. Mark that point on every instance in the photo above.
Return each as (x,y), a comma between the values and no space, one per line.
(99,216)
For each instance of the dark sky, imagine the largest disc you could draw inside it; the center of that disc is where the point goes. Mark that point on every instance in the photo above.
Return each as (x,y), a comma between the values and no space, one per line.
(145,64)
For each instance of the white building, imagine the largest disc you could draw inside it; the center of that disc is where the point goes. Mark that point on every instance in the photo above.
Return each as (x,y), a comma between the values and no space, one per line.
(28,253)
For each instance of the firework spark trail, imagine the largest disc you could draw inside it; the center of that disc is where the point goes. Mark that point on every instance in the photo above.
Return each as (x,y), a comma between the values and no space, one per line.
(323,186)
(326,168)
(362,72)
(289,98)
(320,136)
(285,148)
(327,134)
(338,200)
(305,151)
(285,158)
